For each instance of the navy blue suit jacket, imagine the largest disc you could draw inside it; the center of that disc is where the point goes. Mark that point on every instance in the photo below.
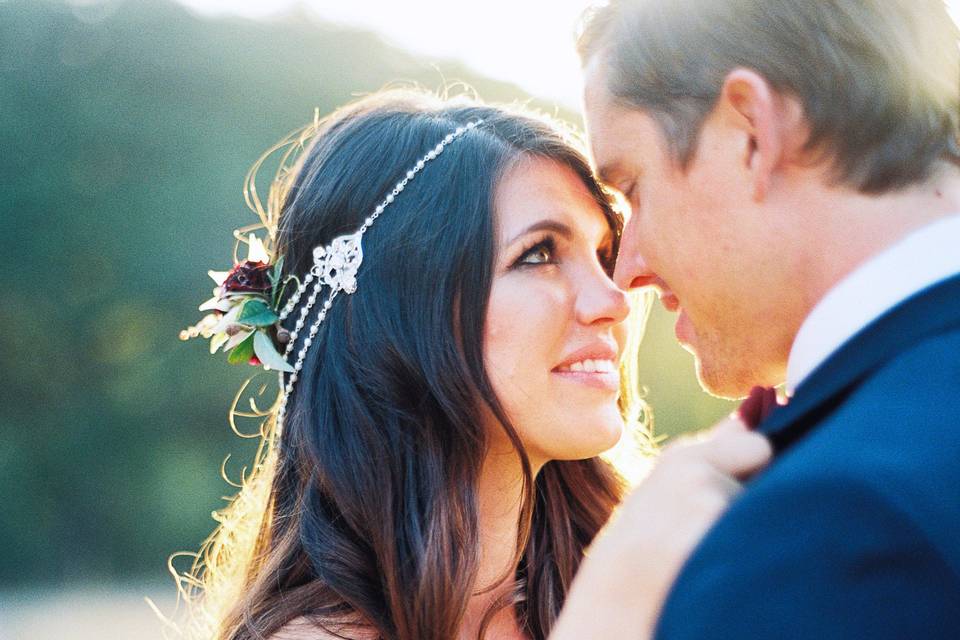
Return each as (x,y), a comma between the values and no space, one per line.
(854,530)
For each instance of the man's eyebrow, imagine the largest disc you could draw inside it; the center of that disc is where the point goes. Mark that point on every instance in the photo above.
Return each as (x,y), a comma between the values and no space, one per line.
(546,225)
(607,173)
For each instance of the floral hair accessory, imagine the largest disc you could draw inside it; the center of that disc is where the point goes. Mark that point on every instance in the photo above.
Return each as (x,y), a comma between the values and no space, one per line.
(246,314)
(245,318)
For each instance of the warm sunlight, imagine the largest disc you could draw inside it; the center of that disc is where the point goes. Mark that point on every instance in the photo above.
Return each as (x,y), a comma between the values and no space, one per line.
(529,43)
(428,385)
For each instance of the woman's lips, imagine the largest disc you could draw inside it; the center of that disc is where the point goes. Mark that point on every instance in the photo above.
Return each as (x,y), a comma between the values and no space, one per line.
(599,374)
(607,380)
(596,365)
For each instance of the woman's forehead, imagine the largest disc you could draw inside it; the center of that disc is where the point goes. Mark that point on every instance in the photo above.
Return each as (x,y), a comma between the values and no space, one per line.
(542,189)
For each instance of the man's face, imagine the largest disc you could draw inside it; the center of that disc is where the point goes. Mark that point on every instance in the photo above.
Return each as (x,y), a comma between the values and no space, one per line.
(699,237)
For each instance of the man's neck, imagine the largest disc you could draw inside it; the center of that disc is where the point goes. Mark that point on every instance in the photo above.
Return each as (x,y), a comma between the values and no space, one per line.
(847,228)
(844,230)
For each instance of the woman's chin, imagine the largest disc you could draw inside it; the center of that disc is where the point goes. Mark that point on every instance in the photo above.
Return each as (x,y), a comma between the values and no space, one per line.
(613,433)
(589,437)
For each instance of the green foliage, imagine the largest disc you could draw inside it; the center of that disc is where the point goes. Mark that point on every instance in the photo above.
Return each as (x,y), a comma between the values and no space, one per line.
(126,131)
(267,353)
(242,352)
(256,313)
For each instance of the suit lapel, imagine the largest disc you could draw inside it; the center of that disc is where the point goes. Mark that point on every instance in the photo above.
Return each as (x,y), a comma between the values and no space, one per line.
(924,314)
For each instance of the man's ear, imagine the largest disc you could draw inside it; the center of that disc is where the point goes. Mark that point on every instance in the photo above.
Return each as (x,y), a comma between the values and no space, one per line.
(769,120)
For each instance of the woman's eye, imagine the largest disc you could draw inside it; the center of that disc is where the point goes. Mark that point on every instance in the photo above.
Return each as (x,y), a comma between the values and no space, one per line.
(540,253)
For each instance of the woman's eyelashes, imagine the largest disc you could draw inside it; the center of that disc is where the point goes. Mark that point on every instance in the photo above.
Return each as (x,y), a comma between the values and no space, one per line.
(546,252)
(541,252)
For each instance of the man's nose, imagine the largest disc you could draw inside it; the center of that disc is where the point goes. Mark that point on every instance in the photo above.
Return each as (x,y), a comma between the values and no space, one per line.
(632,271)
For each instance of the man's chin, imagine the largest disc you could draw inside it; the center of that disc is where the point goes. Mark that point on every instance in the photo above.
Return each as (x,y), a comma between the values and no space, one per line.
(719,381)
(728,369)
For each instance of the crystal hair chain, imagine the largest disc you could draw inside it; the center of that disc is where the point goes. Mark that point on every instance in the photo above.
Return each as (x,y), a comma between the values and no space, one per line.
(335,265)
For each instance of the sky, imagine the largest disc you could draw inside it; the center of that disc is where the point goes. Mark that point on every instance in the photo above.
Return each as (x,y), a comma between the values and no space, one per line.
(528,42)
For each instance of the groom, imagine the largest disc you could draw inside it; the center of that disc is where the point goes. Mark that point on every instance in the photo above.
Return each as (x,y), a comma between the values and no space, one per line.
(793,173)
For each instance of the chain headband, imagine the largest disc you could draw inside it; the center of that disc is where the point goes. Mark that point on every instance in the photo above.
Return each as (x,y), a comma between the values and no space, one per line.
(246,320)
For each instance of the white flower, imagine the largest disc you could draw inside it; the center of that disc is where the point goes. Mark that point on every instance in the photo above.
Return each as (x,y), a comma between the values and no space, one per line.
(256,251)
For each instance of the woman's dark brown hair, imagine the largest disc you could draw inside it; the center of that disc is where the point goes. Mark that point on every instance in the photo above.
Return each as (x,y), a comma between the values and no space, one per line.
(371,525)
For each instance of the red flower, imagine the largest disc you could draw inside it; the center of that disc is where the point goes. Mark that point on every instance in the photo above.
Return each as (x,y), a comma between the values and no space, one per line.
(248,276)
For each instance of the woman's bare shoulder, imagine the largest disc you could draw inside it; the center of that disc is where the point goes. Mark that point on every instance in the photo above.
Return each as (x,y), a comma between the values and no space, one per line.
(305,629)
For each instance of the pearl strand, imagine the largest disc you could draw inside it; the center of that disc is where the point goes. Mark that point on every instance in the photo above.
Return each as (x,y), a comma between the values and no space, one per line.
(303,317)
(295,298)
(302,354)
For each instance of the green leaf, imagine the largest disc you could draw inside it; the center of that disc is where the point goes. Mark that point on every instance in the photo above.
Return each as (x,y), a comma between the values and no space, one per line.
(274,276)
(257,313)
(236,338)
(263,346)
(276,282)
(242,352)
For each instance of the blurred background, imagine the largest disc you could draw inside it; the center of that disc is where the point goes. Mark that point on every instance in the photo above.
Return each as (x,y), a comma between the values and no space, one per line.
(126,128)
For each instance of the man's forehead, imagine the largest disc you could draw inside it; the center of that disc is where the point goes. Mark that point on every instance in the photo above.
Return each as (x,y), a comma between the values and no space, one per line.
(606,147)
(597,99)
(603,119)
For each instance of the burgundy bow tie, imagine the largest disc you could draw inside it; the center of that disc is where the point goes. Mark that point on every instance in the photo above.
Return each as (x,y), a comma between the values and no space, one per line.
(759,404)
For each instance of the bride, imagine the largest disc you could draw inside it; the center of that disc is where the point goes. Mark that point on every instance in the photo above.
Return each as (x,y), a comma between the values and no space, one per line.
(438,277)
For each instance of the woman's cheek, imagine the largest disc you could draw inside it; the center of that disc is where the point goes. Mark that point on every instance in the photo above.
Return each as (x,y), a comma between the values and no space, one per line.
(506,332)
(523,337)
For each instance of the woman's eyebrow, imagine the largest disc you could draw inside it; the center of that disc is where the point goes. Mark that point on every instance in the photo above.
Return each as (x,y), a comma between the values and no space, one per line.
(546,225)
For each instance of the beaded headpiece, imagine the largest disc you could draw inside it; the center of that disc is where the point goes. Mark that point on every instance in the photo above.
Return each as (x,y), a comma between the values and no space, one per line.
(246,319)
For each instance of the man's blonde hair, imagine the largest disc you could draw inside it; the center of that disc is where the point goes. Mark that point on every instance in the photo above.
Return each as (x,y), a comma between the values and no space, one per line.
(879,80)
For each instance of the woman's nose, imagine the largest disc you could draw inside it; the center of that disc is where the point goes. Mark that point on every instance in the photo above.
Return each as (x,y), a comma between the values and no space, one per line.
(601,301)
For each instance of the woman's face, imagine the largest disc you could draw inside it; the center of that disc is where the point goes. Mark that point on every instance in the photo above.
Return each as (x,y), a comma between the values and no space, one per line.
(555,328)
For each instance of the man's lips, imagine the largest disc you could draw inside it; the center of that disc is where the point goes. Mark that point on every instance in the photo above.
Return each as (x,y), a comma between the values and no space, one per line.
(682,329)
(670,302)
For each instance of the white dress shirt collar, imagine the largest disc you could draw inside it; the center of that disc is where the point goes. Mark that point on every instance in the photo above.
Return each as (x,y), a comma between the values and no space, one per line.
(922,258)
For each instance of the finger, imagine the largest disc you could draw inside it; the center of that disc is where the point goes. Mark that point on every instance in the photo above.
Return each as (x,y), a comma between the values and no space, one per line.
(738,454)
(727,484)
(733,423)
